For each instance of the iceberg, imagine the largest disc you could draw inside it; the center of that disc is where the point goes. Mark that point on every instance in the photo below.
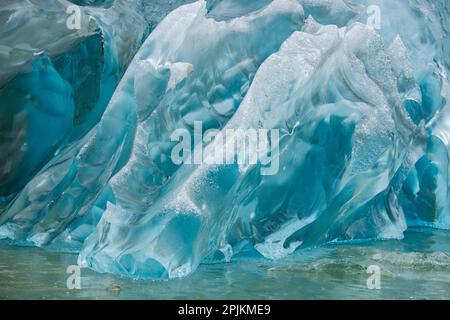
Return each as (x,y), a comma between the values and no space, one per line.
(76,72)
(339,108)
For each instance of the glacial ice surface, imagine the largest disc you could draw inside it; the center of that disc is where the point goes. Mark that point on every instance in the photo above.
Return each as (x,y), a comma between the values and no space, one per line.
(87,116)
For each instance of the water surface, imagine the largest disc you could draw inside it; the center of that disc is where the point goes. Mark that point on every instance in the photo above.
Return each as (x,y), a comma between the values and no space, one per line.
(417,267)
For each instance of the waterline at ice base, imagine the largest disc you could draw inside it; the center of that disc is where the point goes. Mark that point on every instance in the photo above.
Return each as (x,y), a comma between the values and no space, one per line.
(152,137)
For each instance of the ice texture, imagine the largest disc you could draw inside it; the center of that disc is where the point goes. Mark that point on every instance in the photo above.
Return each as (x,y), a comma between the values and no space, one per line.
(360,102)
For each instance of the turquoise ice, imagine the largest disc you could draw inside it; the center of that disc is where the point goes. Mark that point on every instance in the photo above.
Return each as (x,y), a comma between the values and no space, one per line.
(358,96)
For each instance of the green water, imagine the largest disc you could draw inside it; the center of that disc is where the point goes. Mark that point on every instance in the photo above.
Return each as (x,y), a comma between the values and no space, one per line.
(417,267)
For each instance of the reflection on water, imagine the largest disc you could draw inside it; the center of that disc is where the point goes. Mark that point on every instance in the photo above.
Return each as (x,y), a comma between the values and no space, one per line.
(417,267)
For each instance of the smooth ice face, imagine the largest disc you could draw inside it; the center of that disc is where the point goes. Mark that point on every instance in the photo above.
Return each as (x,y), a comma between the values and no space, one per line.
(54,90)
(56,86)
(352,101)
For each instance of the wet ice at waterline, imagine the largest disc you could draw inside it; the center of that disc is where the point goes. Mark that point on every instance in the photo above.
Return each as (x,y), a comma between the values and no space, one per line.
(152,137)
